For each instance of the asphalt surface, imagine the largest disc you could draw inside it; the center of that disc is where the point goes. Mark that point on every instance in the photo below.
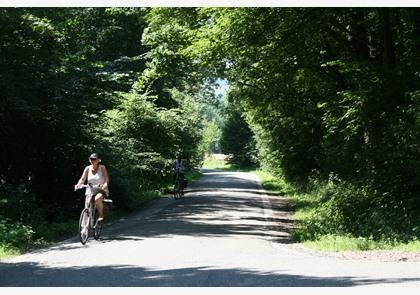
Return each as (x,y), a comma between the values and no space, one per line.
(226,231)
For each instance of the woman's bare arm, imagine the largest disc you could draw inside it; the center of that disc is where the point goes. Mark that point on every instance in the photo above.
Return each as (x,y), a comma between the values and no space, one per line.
(84,176)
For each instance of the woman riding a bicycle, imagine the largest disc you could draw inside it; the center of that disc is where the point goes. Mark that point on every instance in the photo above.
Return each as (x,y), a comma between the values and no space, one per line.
(180,168)
(96,175)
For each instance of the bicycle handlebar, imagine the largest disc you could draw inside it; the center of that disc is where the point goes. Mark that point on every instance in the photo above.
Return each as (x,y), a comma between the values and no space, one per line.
(86,186)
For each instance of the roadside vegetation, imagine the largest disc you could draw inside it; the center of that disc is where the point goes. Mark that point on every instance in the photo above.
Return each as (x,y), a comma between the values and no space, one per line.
(327,222)
(331,97)
(81,80)
(212,162)
(318,220)
(325,99)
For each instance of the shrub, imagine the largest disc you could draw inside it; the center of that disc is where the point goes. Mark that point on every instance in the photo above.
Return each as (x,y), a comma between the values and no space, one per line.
(355,210)
(15,235)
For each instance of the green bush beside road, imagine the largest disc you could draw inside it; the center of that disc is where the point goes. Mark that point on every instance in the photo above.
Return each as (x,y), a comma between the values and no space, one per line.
(338,216)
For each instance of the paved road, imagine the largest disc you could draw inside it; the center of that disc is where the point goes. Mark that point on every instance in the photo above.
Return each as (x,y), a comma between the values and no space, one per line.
(224,232)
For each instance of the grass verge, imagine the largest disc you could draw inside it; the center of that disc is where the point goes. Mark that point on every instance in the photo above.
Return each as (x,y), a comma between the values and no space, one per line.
(193,175)
(336,243)
(327,214)
(320,226)
(41,235)
(212,162)
(7,251)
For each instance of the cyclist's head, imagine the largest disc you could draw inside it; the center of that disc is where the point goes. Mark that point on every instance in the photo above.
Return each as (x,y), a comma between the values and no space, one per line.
(94,157)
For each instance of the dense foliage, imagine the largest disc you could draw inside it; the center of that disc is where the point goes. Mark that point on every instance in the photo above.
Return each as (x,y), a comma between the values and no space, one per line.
(237,139)
(78,80)
(330,96)
(327,92)
(335,92)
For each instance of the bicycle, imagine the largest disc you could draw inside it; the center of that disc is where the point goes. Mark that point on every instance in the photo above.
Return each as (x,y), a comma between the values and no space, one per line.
(178,186)
(88,221)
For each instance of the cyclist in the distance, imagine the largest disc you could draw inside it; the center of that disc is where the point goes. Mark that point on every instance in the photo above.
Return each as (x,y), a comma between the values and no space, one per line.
(96,175)
(180,168)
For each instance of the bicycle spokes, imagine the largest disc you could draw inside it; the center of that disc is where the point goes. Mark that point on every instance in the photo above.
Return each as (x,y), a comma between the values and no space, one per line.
(84,226)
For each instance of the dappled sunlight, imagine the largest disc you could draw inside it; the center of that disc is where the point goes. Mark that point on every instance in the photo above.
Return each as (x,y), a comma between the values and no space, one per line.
(221,204)
(221,236)
(233,210)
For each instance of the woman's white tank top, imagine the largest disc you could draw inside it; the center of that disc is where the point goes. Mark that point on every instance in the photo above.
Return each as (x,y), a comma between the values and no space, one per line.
(96,179)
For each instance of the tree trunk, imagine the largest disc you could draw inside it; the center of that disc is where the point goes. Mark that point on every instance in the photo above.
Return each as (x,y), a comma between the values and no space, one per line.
(388,42)
(359,41)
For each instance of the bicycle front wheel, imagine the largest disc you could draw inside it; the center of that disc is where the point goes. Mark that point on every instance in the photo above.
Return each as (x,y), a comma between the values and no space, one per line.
(84,226)
(97,229)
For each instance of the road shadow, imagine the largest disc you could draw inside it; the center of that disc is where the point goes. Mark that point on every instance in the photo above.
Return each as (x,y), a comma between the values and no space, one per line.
(37,275)
(236,210)
(257,192)
(220,204)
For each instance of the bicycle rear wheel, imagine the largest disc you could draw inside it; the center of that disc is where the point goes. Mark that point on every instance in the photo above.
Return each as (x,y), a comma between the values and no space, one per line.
(181,188)
(84,226)
(176,190)
(97,229)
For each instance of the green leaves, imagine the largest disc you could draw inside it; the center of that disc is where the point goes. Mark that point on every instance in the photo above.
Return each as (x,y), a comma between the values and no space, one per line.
(237,139)
(143,139)
(325,90)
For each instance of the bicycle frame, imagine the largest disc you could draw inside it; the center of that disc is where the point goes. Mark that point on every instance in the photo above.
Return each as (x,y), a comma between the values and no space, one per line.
(92,210)
(179,186)
(92,216)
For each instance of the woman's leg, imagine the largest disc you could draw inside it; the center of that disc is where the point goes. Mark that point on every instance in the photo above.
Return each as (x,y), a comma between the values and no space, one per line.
(99,204)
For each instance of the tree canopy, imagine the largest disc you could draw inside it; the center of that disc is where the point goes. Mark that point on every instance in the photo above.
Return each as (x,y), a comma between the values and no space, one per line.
(314,92)
(328,94)
(81,80)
